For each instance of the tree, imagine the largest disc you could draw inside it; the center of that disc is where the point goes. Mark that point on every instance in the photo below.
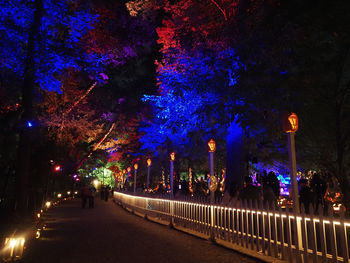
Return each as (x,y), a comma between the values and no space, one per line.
(196,76)
(36,48)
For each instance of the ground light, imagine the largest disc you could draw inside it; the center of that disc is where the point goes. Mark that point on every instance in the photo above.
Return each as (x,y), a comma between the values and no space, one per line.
(48,204)
(13,248)
(37,234)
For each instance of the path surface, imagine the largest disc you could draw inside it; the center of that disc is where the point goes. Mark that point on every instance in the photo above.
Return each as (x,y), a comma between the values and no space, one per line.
(108,233)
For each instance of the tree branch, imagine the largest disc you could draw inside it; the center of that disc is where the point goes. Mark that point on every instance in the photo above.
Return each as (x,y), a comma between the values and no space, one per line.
(222,10)
(81,98)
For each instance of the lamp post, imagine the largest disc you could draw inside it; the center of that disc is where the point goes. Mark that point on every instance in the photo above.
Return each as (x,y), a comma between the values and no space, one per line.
(149,162)
(290,126)
(124,179)
(128,174)
(212,186)
(172,159)
(213,180)
(136,166)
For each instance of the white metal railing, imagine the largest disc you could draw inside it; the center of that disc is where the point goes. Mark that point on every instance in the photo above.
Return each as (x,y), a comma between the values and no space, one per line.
(275,233)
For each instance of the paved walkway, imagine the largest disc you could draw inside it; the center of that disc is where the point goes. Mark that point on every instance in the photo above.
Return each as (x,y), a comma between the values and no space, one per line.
(108,233)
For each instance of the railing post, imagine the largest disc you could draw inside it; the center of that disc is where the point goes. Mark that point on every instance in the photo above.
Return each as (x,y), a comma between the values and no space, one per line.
(257,225)
(332,236)
(343,237)
(171,224)
(212,235)
(313,235)
(304,235)
(297,236)
(146,208)
(281,229)
(322,236)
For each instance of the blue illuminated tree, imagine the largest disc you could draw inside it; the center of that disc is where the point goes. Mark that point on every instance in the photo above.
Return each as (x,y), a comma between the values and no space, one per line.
(40,40)
(53,34)
(189,107)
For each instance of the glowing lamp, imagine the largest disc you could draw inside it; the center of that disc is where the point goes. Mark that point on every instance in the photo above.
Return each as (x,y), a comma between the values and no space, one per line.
(48,204)
(57,168)
(37,234)
(124,171)
(13,248)
(136,166)
(38,215)
(59,195)
(68,192)
(212,145)
(129,169)
(149,162)
(76,192)
(172,156)
(290,122)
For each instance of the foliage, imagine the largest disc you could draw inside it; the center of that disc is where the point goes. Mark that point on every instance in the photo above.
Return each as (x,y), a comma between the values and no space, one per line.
(57,46)
(185,111)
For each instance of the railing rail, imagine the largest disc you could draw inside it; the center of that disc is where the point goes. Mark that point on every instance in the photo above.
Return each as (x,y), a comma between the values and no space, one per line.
(270,232)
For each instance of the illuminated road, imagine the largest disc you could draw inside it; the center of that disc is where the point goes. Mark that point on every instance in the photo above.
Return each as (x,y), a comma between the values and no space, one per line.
(107,233)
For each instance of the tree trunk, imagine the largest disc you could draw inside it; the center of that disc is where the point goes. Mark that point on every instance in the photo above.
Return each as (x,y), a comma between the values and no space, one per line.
(25,139)
(235,169)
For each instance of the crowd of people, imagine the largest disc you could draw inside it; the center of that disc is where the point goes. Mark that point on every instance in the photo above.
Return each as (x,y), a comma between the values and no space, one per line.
(314,189)
(319,190)
(267,188)
(88,193)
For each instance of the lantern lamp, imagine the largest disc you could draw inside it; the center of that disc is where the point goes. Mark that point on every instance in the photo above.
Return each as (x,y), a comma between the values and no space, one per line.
(149,162)
(124,171)
(172,156)
(136,166)
(129,169)
(212,145)
(290,122)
